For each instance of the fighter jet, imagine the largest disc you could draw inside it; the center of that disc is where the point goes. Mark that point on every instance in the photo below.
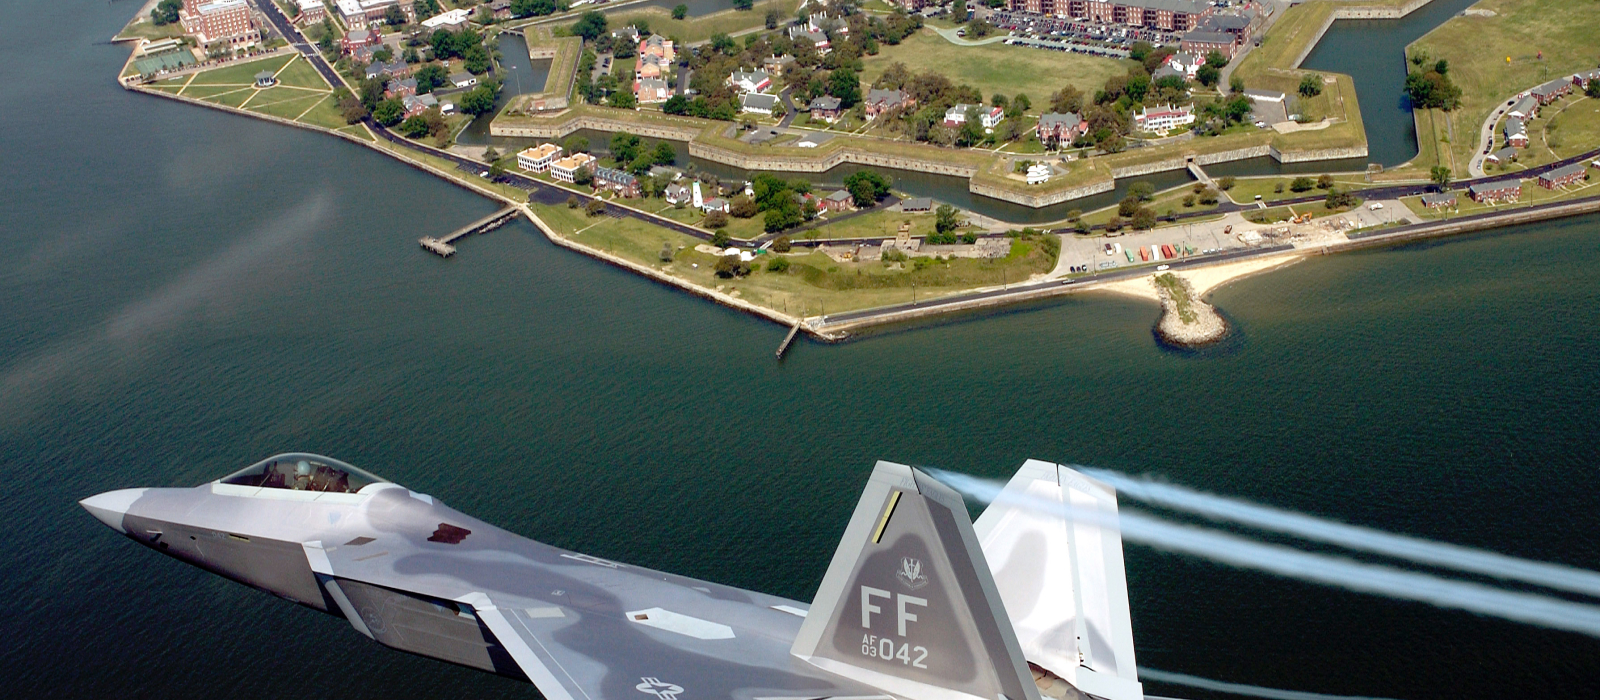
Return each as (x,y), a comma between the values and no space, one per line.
(913,606)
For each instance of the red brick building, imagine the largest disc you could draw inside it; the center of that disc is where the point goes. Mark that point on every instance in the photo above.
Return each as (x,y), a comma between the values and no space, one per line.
(1166,15)
(222,21)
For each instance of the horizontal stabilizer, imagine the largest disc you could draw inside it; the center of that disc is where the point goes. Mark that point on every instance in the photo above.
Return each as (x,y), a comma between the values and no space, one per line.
(1052,541)
(908,604)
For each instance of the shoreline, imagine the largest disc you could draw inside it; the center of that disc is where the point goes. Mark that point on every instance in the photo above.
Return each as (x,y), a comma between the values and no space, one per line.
(1205,275)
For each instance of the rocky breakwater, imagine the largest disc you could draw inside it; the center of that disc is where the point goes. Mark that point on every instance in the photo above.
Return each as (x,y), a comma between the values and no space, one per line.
(1186,321)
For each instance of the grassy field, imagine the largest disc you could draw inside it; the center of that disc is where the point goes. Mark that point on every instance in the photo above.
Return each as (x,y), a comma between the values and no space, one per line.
(1171,200)
(993,68)
(694,29)
(1572,128)
(1245,189)
(1292,33)
(813,284)
(873,224)
(1477,48)
(301,74)
(241,73)
(1532,193)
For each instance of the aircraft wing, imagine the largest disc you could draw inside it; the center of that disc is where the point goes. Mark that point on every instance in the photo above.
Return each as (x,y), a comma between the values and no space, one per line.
(579,627)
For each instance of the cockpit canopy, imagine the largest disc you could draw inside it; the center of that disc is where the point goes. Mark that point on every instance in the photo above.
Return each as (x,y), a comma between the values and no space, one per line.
(303,472)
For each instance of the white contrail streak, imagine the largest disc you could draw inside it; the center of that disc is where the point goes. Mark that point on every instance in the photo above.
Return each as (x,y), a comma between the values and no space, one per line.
(1151,674)
(1344,573)
(1363,539)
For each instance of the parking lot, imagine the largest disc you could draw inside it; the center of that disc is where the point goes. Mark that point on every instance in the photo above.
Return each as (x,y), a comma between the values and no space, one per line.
(1079,33)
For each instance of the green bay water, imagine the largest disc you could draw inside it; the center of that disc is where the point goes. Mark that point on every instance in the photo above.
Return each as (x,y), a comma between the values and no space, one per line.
(186,291)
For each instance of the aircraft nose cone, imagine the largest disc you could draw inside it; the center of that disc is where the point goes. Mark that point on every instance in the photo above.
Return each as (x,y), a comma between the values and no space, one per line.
(109,507)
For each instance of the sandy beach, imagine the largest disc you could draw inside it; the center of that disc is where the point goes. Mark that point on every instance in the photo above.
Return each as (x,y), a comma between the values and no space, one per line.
(1203,280)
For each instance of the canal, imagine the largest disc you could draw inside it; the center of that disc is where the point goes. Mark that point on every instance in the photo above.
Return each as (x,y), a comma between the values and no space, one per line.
(1372,52)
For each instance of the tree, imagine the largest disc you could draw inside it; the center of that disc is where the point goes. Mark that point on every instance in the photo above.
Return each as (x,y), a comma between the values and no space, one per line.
(742,207)
(350,107)
(1208,75)
(773,18)
(866,187)
(844,85)
(594,207)
(383,54)
(478,100)
(394,16)
(625,146)
(731,266)
(576,144)
(495,169)
(1144,191)
(623,99)
(666,252)
(1302,183)
(1128,206)
(782,244)
(1215,59)
(677,104)
(166,12)
(425,8)
(476,60)
(715,219)
(590,26)
(1235,84)
(430,77)
(490,155)
(1311,85)
(778,264)
(959,11)
(945,219)
(414,126)
(1440,175)
(665,154)
(1339,198)
(784,216)
(389,112)
(583,176)
(1593,89)
(680,11)
(1325,181)
(1209,196)
(743,4)
(572,200)
(1144,218)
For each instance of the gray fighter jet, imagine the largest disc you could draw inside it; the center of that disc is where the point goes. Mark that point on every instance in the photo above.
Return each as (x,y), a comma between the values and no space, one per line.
(909,608)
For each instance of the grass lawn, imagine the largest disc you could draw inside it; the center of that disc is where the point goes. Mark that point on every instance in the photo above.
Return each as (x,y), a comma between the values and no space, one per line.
(301,74)
(992,68)
(284,104)
(693,29)
(1477,48)
(234,99)
(1245,189)
(1571,126)
(1171,200)
(142,28)
(326,114)
(1532,193)
(813,284)
(241,73)
(355,130)
(873,224)
(1288,37)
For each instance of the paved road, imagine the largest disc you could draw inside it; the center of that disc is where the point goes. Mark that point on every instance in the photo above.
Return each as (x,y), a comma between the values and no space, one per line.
(789,109)
(1030,287)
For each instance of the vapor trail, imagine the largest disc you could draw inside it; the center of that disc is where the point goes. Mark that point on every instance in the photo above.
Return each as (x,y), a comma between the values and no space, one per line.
(1308,527)
(1151,674)
(1344,573)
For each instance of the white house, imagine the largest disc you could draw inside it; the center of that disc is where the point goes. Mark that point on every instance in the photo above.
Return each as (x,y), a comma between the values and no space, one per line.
(538,160)
(566,169)
(715,204)
(957,115)
(463,80)
(1162,118)
(750,81)
(758,103)
(452,20)
(1186,63)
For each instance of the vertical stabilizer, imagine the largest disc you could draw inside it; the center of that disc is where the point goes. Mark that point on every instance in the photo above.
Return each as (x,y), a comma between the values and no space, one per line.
(1052,541)
(908,604)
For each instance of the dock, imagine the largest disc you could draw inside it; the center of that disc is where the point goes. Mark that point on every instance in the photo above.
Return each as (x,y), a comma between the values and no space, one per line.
(789,339)
(445,247)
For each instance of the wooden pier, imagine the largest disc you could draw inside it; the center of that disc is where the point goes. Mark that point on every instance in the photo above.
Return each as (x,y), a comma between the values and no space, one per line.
(788,339)
(445,247)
